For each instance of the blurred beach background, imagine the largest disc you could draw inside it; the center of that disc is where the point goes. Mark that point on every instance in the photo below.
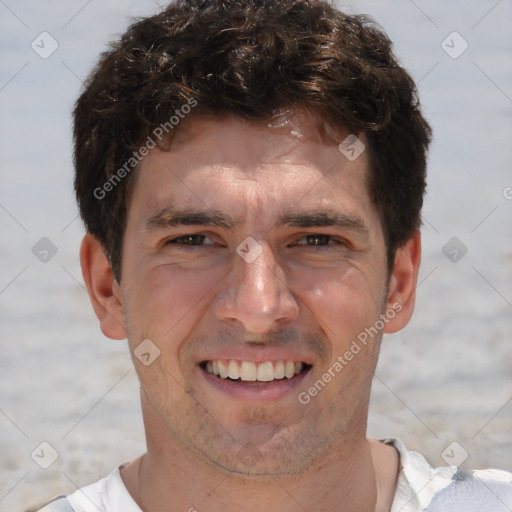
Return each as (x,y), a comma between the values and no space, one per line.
(446,378)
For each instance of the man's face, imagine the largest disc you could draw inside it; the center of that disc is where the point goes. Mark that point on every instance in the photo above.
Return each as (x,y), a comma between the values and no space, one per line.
(245,243)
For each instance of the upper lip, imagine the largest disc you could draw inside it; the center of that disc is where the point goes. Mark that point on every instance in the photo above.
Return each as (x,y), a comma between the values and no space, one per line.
(258,355)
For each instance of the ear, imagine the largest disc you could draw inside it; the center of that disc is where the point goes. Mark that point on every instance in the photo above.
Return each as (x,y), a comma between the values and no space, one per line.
(402,284)
(103,289)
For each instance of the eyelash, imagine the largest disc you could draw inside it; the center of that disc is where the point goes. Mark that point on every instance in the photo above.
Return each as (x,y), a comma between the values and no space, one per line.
(327,239)
(175,241)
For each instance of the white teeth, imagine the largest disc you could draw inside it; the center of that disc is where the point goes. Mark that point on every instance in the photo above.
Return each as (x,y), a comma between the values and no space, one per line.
(265,372)
(249,371)
(279,370)
(233,370)
(223,370)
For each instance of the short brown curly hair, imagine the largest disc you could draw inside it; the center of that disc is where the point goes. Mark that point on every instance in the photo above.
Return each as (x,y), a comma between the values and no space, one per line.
(249,58)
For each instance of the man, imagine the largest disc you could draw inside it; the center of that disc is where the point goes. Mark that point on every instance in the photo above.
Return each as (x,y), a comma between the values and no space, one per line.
(251,176)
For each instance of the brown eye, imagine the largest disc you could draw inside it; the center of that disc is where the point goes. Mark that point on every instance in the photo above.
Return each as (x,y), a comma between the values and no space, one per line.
(191,240)
(318,239)
(314,240)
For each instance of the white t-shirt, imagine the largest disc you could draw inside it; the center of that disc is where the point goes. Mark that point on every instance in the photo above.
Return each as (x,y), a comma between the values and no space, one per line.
(420,488)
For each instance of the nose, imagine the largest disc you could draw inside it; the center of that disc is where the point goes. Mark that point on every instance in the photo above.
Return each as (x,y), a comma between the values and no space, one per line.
(256,295)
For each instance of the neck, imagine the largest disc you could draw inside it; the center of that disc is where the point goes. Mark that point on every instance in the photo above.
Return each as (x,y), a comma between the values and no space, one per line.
(356,475)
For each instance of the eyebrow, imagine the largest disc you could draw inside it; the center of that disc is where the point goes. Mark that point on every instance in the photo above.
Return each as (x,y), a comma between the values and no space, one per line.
(319,218)
(324,218)
(175,217)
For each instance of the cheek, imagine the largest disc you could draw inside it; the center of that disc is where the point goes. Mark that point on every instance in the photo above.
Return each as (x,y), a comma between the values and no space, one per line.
(164,308)
(170,300)
(343,303)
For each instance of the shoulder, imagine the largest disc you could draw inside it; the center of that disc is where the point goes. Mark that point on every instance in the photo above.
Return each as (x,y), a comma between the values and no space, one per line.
(106,495)
(90,497)
(473,491)
(422,487)
(59,504)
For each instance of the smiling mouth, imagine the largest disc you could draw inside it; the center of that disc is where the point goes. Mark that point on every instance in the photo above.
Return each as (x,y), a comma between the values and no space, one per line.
(248,371)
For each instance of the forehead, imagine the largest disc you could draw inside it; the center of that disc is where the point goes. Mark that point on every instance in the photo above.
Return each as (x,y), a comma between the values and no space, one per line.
(252,169)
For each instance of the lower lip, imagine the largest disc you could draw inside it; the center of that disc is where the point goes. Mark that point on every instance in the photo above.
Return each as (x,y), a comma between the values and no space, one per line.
(257,391)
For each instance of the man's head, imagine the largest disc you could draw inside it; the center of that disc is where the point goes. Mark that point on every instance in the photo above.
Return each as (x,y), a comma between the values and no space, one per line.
(249,253)
(252,59)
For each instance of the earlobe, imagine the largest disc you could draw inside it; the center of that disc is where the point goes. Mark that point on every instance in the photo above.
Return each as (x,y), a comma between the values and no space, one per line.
(402,284)
(103,290)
